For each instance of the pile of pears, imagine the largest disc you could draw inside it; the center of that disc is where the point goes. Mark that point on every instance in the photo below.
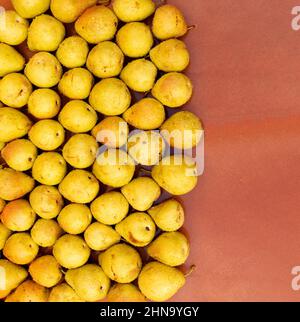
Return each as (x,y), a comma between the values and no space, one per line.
(75,225)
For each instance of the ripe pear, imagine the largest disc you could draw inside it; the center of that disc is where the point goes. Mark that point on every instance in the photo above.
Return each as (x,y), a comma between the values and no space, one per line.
(133,10)
(29,291)
(138,229)
(43,70)
(112,131)
(47,135)
(99,237)
(110,97)
(79,186)
(105,60)
(80,151)
(71,251)
(76,83)
(89,282)
(13,276)
(11,61)
(176,174)
(19,154)
(67,11)
(97,24)
(13,28)
(44,103)
(171,248)
(45,271)
(125,293)
(13,124)
(45,232)
(121,263)
(45,33)
(14,184)
(114,168)
(139,75)
(46,201)
(146,147)
(173,90)
(110,208)
(78,116)
(159,282)
(168,216)
(30,8)
(170,56)
(146,114)
(135,39)
(168,22)
(49,168)
(4,234)
(20,249)
(63,293)
(72,52)
(141,193)
(15,90)
(18,215)
(75,218)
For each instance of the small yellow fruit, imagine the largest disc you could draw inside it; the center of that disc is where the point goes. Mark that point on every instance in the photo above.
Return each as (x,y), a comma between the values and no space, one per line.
(44,103)
(78,117)
(11,61)
(125,293)
(97,24)
(135,39)
(110,208)
(138,229)
(19,154)
(75,218)
(18,215)
(133,10)
(147,114)
(139,75)
(72,52)
(31,8)
(4,234)
(20,249)
(71,251)
(63,293)
(45,232)
(79,186)
(45,271)
(121,263)
(110,97)
(49,168)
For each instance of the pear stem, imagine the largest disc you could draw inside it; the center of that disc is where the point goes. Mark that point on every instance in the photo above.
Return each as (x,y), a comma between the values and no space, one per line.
(190,271)
(191,27)
(104,2)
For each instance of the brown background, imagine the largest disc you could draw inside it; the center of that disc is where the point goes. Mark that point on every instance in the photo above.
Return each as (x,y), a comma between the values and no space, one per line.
(244,217)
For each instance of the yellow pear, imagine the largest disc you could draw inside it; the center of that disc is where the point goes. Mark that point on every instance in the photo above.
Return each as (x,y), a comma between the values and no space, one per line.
(31,8)
(146,114)
(110,97)
(11,60)
(121,263)
(71,251)
(46,201)
(14,184)
(13,124)
(133,10)
(18,215)
(173,89)
(125,293)
(159,282)
(176,174)
(13,28)
(141,193)
(79,186)
(168,22)
(168,216)
(138,229)
(20,249)
(19,154)
(12,276)
(45,232)
(97,24)
(63,293)
(4,234)
(89,282)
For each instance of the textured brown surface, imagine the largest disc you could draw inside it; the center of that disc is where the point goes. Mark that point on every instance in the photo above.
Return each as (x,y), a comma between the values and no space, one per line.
(243,219)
